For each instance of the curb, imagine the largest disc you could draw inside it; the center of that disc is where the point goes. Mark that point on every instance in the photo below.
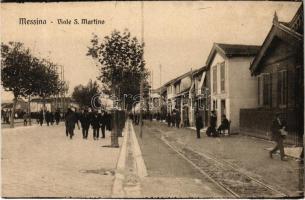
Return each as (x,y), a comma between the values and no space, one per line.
(117,188)
(141,167)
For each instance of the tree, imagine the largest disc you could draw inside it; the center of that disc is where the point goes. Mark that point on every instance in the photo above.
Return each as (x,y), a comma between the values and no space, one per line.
(122,64)
(84,95)
(16,69)
(46,78)
(25,75)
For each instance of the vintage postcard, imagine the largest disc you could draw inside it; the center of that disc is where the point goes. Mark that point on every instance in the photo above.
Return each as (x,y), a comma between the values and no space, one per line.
(152,99)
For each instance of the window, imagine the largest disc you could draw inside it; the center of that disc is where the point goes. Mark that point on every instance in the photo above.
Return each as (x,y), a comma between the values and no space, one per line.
(222,77)
(267,86)
(214,79)
(282,87)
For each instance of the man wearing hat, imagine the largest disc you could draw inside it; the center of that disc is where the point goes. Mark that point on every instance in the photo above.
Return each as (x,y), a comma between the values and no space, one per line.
(277,125)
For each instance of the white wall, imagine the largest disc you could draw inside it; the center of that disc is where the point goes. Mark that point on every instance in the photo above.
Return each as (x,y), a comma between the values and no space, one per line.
(218,59)
(242,87)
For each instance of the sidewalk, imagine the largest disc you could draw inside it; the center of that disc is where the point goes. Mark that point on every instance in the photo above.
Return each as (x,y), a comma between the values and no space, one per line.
(247,153)
(43,162)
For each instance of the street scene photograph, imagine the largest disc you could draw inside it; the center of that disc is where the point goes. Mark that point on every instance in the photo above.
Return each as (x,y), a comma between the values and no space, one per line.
(152,99)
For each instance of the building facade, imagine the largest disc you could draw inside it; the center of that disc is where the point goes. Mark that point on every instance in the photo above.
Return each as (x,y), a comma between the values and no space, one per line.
(279,72)
(231,84)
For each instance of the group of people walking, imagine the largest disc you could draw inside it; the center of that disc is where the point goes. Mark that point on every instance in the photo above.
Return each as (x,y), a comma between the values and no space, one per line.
(97,120)
(5,115)
(50,117)
(173,119)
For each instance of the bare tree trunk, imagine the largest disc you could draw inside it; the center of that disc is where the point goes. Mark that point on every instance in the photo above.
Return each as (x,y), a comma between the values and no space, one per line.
(29,110)
(114,131)
(43,107)
(13,113)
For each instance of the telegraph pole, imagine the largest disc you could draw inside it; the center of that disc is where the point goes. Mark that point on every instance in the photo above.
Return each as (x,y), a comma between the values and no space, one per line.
(141,83)
(61,92)
(160,86)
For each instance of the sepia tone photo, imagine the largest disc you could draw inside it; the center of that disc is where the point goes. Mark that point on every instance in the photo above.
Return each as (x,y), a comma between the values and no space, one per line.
(152,99)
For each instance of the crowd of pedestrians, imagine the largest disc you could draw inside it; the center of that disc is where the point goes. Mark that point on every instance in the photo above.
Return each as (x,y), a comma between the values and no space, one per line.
(5,116)
(98,120)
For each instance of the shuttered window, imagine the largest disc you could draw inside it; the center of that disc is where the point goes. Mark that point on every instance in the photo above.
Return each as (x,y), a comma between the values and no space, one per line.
(222,77)
(214,79)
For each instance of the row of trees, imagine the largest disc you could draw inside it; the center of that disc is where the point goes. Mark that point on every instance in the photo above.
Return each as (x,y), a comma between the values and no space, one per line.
(25,75)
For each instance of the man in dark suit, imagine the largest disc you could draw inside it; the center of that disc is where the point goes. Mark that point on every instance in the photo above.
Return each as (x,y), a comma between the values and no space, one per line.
(168,119)
(70,121)
(213,122)
(95,123)
(103,122)
(199,124)
(48,117)
(57,116)
(40,117)
(276,136)
(85,123)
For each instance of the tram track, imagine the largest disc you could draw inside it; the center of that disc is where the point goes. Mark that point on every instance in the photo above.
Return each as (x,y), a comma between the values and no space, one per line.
(225,175)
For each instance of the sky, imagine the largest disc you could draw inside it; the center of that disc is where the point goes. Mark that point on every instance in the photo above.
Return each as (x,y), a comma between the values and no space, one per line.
(178,36)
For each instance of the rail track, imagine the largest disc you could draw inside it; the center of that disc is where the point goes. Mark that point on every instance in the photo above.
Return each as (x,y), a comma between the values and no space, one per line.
(223,174)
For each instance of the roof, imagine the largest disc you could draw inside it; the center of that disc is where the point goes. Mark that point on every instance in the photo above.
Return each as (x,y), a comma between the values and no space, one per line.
(175,80)
(199,71)
(232,50)
(282,30)
(179,78)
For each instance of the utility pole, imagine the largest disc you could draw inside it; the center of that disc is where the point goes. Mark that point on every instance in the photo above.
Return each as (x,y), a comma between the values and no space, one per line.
(160,86)
(63,78)
(61,92)
(141,83)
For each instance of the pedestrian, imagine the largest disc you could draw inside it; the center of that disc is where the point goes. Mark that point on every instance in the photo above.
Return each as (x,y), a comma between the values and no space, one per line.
(173,118)
(108,121)
(168,119)
(3,116)
(277,127)
(48,117)
(70,121)
(224,125)
(85,123)
(7,116)
(103,121)
(57,116)
(178,119)
(211,131)
(199,124)
(25,119)
(40,116)
(52,118)
(95,123)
